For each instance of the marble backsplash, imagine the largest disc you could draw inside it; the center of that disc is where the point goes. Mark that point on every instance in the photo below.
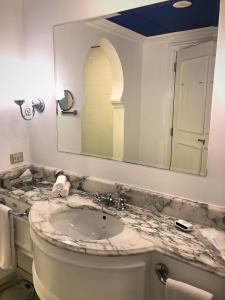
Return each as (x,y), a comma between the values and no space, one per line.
(193,211)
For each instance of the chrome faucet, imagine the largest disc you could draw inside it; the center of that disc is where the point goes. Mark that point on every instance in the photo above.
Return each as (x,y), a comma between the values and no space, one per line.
(108,200)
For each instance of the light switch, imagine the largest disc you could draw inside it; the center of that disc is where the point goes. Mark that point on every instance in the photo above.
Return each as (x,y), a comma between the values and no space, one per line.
(16,157)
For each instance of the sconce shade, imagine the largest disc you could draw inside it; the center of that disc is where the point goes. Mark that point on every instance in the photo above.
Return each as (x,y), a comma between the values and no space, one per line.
(19,102)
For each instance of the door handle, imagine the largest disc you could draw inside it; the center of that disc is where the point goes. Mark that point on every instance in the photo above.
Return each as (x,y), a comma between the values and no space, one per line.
(202,141)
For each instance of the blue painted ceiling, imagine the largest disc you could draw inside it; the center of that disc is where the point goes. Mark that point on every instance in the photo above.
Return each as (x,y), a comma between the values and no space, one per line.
(161,18)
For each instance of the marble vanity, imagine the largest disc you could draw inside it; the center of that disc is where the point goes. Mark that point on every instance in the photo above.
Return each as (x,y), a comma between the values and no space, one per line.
(123,263)
(143,232)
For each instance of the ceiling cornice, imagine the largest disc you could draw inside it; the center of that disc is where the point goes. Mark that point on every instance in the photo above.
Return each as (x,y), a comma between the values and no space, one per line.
(118,30)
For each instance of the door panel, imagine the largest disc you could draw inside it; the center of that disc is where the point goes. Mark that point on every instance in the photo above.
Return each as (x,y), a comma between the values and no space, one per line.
(192,100)
(187,153)
(192,108)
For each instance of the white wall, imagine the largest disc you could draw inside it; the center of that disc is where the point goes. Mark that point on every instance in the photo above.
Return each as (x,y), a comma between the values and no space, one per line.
(40,16)
(156,108)
(13,130)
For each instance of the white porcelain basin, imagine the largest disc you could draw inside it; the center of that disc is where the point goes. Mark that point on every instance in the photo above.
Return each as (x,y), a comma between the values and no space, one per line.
(87,224)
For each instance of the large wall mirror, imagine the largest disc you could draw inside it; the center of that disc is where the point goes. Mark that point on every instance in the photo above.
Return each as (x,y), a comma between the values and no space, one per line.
(141,82)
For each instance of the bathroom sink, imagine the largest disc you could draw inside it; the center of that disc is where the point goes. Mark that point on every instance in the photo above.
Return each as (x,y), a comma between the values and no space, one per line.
(87,224)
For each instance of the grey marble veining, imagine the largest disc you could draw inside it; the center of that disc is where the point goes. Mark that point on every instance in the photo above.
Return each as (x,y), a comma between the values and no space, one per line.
(149,219)
(193,211)
(143,232)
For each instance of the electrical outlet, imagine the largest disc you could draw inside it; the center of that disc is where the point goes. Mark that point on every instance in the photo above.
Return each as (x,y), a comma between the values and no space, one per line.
(16,157)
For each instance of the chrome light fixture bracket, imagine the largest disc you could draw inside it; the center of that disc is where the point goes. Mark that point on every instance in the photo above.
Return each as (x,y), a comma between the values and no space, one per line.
(38,105)
(28,114)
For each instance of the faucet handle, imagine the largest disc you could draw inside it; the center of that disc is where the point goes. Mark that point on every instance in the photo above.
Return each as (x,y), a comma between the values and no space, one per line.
(120,203)
(98,197)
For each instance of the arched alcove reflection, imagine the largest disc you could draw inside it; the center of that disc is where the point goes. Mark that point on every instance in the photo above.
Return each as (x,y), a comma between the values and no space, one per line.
(102,118)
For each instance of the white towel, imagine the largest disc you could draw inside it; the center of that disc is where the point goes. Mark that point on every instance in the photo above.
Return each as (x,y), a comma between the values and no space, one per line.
(7,248)
(65,191)
(176,290)
(60,182)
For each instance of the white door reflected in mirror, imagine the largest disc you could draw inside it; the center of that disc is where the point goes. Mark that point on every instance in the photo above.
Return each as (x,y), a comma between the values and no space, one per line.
(192,107)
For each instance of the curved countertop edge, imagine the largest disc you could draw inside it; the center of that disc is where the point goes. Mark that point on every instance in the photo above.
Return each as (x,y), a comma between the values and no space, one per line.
(109,249)
(147,250)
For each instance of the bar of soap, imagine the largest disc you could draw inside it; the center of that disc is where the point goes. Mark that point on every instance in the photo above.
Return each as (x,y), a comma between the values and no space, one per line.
(184,225)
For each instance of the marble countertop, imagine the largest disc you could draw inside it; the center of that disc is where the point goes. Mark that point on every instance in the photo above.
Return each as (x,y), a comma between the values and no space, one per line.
(144,231)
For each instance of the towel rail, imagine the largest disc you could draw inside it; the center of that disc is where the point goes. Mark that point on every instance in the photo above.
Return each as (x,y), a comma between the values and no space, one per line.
(162,272)
(20,214)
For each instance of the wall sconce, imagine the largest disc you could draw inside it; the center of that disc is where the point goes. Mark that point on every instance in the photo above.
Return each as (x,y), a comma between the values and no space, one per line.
(28,114)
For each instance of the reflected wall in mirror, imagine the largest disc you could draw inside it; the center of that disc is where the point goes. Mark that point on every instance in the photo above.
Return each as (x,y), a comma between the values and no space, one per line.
(143,80)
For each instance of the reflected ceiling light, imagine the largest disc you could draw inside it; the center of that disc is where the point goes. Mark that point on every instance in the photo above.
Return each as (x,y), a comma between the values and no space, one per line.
(182,4)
